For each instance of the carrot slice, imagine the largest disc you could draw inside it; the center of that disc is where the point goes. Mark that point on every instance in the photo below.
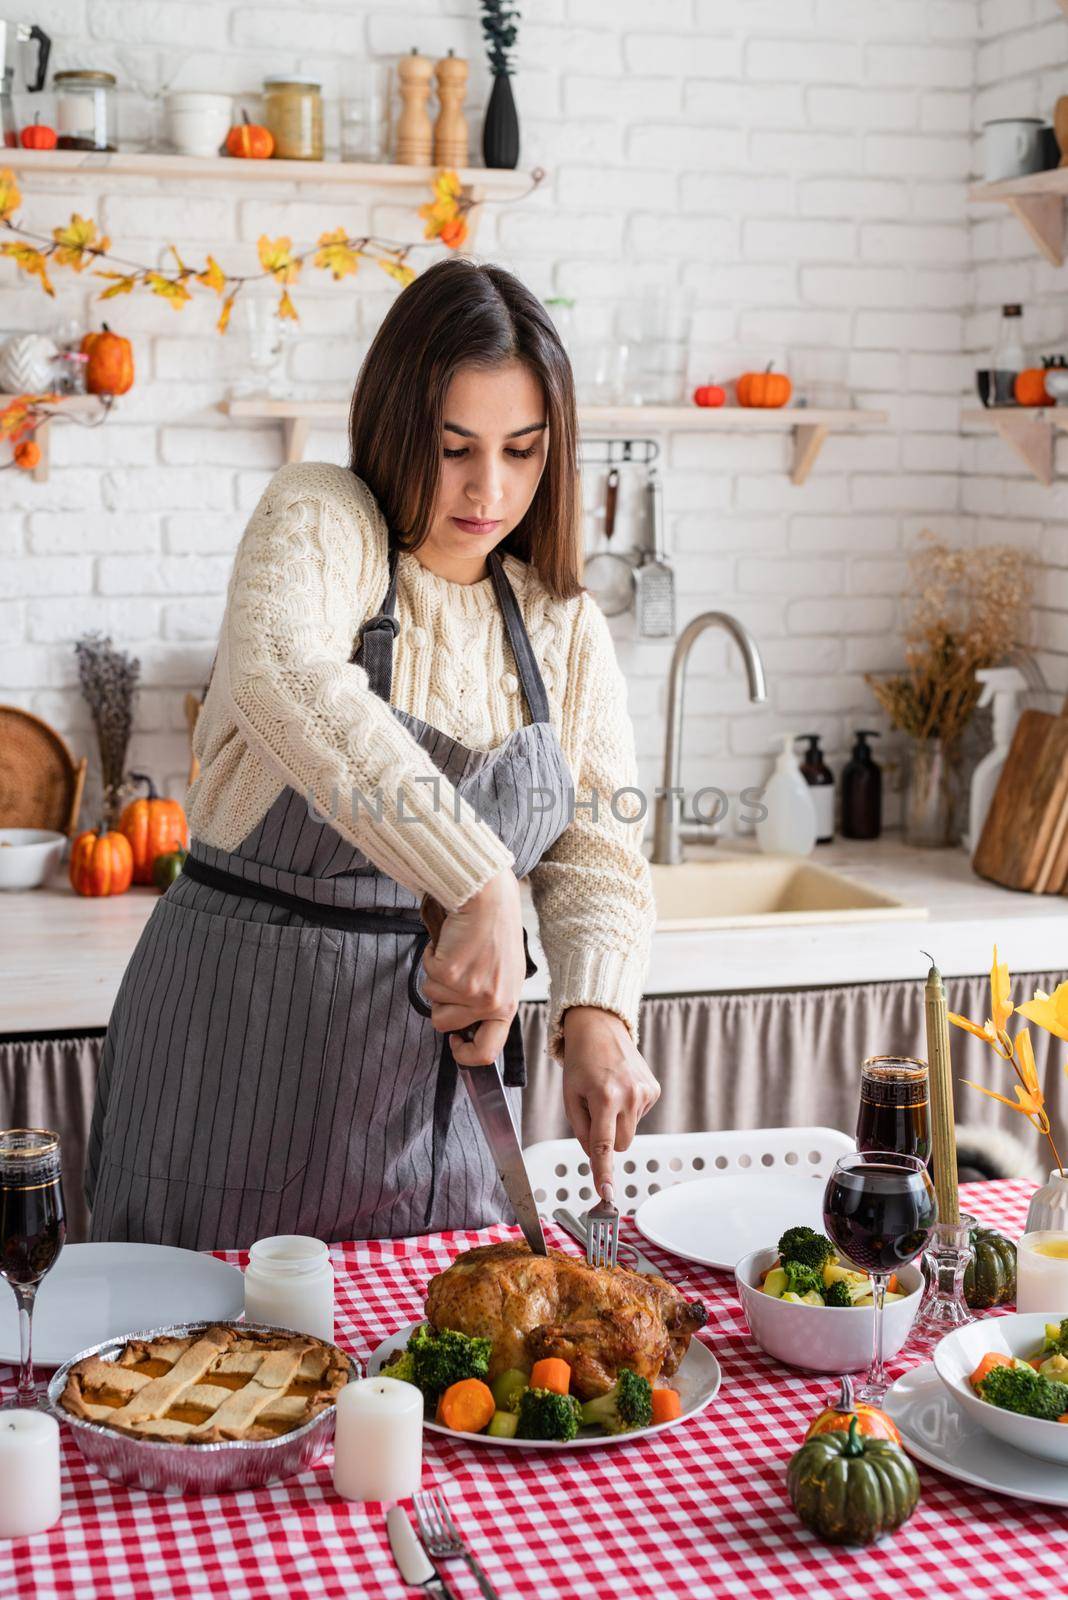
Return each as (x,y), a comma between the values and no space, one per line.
(893,1283)
(666,1405)
(551,1373)
(467,1406)
(989,1361)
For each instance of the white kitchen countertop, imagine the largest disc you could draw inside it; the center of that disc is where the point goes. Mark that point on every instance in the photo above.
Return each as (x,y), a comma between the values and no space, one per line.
(62,955)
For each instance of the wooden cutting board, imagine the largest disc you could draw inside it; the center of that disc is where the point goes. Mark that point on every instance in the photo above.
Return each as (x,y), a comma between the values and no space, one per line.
(1022,839)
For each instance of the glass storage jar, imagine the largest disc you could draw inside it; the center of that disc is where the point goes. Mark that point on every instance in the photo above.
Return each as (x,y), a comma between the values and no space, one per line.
(85,110)
(293,110)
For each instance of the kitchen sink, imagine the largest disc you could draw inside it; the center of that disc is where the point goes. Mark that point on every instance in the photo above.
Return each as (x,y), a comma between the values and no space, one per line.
(765,891)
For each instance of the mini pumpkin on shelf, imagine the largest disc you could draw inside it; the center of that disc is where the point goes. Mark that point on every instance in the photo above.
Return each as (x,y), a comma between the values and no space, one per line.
(849,1489)
(101,863)
(249,141)
(110,368)
(37,135)
(767,390)
(1029,388)
(155,827)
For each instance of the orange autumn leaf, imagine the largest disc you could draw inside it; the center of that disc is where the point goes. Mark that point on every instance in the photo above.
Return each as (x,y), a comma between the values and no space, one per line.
(276,257)
(286,308)
(31,261)
(183,270)
(447,186)
(76,241)
(336,254)
(213,276)
(398,270)
(168,289)
(10,198)
(224,315)
(992,1032)
(124,283)
(454,233)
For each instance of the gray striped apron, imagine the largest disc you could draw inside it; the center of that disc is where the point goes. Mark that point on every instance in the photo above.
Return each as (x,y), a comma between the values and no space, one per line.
(269,1065)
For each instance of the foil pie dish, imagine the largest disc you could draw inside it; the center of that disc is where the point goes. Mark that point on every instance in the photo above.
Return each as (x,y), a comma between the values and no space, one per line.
(168,1468)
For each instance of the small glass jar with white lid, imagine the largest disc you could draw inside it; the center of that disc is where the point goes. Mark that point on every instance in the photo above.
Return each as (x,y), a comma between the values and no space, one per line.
(289,1283)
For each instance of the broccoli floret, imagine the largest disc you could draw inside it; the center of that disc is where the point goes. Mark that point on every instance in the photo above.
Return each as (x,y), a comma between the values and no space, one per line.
(628,1404)
(1058,1345)
(806,1246)
(545,1414)
(402,1366)
(802,1279)
(1026,1391)
(443,1358)
(838,1294)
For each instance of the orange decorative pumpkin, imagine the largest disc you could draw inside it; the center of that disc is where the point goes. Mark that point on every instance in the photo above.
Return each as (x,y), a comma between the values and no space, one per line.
(101,863)
(767,389)
(27,454)
(249,140)
(872,1422)
(709,394)
(1029,388)
(38,136)
(110,368)
(154,827)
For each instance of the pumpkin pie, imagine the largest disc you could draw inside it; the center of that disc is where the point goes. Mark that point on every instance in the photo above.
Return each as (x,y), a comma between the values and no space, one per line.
(225,1383)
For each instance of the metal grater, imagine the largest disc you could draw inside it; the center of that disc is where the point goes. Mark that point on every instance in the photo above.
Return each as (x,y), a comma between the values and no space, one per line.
(654,580)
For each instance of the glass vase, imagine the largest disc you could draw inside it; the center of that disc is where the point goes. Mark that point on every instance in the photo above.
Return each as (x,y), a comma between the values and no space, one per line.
(1049,1205)
(930,794)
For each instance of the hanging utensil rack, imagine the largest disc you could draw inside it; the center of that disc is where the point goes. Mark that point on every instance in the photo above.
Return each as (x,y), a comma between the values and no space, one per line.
(618,451)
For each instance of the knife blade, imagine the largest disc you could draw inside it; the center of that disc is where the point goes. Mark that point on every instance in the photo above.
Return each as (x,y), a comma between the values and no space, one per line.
(413,1564)
(490,1103)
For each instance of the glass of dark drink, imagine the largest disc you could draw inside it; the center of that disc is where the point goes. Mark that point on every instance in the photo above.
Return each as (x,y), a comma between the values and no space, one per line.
(879,1208)
(893,1106)
(32,1230)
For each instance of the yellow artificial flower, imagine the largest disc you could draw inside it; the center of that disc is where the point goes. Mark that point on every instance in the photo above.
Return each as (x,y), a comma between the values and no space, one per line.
(1049,1011)
(276,257)
(992,1031)
(336,254)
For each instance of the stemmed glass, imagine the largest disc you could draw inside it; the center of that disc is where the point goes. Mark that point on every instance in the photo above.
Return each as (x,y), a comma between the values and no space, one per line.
(879,1208)
(32,1230)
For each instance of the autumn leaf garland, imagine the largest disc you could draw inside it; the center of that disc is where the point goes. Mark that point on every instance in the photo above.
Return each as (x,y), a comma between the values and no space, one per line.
(79,244)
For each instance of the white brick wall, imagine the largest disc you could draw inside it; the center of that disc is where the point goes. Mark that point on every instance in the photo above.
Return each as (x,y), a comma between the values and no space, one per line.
(800,164)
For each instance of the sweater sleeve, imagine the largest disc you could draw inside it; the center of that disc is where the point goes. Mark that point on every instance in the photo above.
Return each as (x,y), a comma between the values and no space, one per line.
(593,889)
(311,715)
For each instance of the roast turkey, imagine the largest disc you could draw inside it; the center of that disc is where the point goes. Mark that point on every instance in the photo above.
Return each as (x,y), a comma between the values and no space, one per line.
(597,1319)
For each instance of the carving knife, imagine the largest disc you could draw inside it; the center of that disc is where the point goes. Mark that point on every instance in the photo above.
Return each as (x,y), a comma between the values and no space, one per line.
(490,1104)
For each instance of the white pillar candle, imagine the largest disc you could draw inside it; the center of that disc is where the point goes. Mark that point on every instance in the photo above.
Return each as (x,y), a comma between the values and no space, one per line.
(378,1440)
(289,1283)
(29,1472)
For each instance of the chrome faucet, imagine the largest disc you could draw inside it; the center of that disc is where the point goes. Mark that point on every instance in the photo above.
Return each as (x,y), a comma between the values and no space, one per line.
(671,828)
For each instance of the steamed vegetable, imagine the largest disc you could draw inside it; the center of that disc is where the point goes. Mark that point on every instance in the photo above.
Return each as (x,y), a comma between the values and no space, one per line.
(551,1373)
(628,1404)
(544,1414)
(667,1405)
(503,1425)
(1020,1388)
(467,1406)
(507,1387)
(442,1359)
(807,1247)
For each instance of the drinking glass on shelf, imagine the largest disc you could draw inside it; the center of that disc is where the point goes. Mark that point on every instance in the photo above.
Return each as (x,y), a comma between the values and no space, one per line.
(365,112)
(32,1230)
(894,1106)
(879,1208)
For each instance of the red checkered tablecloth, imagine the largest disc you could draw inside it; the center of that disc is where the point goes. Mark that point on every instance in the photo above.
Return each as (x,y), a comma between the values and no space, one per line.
(698,1511)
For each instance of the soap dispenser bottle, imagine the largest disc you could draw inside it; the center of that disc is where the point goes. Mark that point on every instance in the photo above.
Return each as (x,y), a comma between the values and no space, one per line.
(820,779)
(789,825)
(862,790)
(1001,686)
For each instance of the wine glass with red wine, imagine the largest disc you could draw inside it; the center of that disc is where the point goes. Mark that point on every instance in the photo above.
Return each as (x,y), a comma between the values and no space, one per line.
(879,1208)
(893,1106)
(32,1230)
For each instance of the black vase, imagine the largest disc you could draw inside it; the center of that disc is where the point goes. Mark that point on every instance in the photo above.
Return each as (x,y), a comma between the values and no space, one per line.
(500,131)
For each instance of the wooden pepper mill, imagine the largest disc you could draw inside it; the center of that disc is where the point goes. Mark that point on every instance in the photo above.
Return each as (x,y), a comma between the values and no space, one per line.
(415,132)
(450,129)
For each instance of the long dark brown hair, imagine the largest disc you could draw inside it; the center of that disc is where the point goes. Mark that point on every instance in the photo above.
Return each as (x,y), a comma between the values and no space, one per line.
(460,314)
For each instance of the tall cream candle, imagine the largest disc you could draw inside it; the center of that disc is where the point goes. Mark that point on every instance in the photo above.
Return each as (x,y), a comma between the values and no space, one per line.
(29,1472)
(940,1083)
(378,1440)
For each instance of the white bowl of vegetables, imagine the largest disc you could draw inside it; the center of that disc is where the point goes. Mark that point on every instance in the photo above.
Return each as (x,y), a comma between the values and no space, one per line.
(1011,1374)
(810,1308)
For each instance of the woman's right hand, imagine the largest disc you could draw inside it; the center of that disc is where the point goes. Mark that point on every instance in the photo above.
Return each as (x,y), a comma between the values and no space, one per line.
(477,969)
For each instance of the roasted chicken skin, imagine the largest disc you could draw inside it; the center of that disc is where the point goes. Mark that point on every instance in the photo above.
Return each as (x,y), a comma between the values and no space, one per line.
(596,1319)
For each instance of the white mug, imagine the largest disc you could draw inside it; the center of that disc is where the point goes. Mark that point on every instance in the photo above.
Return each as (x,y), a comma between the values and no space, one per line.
(197,124)
(1012,146)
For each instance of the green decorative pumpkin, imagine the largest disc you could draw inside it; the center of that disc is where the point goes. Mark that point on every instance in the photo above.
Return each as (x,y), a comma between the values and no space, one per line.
(166,868)
(850,1489)
(990,1279)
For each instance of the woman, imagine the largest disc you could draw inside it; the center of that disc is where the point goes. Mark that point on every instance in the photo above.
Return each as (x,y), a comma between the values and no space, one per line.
(412,697)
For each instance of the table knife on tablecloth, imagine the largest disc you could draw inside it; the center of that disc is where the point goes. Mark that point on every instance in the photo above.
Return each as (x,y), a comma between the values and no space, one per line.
(490,1104)
(413,1564)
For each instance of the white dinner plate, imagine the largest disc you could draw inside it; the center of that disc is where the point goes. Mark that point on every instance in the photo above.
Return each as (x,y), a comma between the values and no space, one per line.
(97,1291)
(697,1380)
(937,1432)
(716,1221)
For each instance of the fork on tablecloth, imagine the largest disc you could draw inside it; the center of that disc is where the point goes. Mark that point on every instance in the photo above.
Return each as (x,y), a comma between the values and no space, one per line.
(602,1231)
(441,1537)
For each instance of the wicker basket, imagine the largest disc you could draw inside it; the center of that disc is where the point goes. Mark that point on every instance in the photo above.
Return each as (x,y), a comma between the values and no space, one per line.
(40,781)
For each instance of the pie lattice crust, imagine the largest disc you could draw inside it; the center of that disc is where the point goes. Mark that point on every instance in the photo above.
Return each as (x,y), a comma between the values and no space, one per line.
(207,1388)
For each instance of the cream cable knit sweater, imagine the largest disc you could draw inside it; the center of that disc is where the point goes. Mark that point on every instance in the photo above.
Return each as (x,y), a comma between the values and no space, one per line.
(286,706)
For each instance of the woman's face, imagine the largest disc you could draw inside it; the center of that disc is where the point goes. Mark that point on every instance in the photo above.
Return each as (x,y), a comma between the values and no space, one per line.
(494,442)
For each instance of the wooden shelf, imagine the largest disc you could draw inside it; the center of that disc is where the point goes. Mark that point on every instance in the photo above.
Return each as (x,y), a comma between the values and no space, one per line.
(1038,201)
(809,426)
(1028,429)
(83,403)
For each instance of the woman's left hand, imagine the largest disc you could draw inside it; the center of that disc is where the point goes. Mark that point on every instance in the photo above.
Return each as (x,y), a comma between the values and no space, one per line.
(608,1086)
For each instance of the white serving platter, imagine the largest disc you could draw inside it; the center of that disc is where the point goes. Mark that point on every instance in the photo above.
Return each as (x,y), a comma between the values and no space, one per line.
(716,1221)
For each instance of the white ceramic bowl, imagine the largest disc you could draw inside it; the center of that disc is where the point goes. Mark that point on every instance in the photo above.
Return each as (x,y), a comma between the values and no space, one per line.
(29,856)
(197,124)
(822,1338)
(1057,384)
(961,1351)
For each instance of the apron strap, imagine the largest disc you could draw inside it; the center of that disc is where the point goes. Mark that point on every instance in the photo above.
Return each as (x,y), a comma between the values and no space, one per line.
(522,649)
(375,646)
